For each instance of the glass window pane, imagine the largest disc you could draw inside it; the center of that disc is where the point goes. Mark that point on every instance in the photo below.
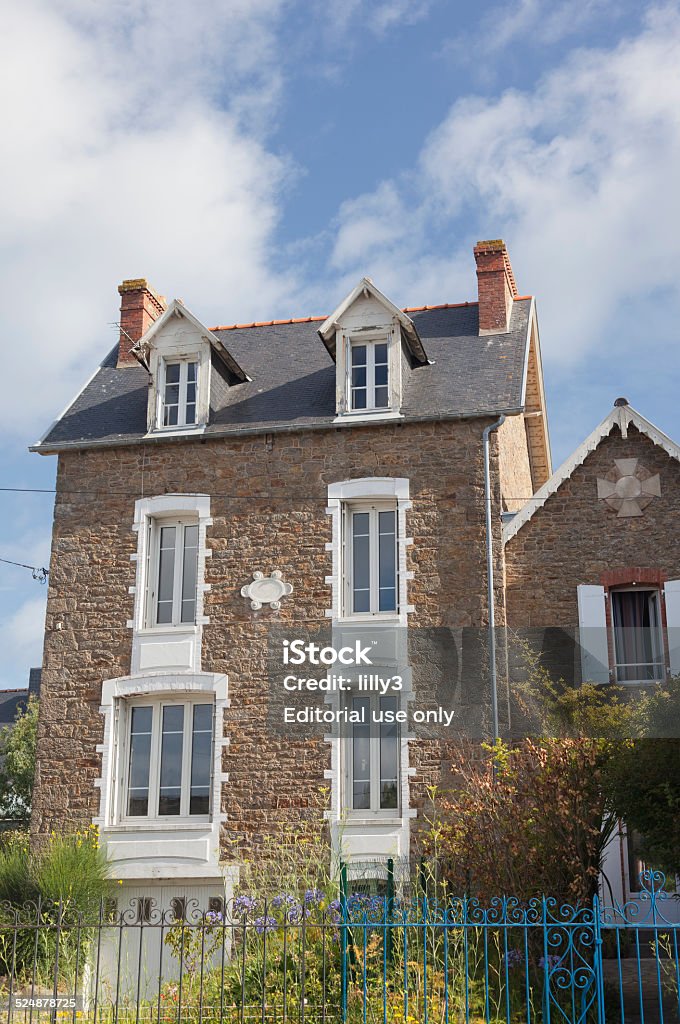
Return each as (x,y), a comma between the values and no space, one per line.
(381,400)
(358,398)
(387,562)
(381,376)
(191,393)
(381,353)
(166,574)
(358,355)
(359,377)
(189,571)
(191,373)
(361,570)
(190,414)
(201,753)
(170,414)
(172,742)
(172,373)
(361,756)
(141,720)
(389,756)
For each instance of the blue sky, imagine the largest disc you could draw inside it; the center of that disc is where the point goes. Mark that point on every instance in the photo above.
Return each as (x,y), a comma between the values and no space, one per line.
(255,157)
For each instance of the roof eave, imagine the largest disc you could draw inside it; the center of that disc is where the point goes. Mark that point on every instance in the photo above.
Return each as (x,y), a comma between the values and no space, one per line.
(288,428)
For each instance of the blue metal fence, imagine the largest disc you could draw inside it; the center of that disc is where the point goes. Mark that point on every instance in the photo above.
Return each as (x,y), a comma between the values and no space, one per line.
(356,959)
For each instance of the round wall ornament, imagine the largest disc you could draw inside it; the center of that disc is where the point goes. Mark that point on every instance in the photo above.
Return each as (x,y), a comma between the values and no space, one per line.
(267,590)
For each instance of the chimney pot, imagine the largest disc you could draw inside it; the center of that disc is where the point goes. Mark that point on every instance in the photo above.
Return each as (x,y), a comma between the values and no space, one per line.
(140,305)
(496,286)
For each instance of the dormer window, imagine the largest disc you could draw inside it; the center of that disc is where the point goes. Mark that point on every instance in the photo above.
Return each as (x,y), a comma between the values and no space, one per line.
(178,393)
(375,346)
(369,383)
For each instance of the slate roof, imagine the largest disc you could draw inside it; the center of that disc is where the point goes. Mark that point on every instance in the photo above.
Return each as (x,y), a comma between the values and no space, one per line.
(293,380)
(11,701)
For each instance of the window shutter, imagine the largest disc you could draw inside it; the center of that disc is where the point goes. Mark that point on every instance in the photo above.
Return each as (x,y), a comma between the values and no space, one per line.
(592,620)
(671,592)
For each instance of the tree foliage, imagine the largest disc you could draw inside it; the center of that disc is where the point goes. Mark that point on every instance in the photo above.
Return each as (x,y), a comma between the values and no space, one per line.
(535,816)
(17,763)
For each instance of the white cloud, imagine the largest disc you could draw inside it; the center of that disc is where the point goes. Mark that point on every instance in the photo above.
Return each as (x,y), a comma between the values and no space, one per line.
(21,640)
(579,175)
(126,162)
(537,22)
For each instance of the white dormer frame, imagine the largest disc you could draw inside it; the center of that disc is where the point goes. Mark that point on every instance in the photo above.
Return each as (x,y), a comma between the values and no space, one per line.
(178,336)
(367,315)
(391,336)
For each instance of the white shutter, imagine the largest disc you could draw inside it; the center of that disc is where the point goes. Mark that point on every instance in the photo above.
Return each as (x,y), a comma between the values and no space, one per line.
(592,620)
(671,592)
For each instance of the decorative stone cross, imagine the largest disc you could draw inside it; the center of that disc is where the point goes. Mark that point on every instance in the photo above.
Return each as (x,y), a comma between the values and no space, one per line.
(628,487)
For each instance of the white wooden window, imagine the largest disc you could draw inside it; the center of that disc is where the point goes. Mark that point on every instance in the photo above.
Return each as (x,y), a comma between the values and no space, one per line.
(167,758)
(373,756)
(671,593)
(172,572)
(178,393)
(592,634)
(368,375)
(638,640)
(370,559)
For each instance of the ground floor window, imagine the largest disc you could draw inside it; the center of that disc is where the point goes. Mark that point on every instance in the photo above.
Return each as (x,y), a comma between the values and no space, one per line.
(373,754)
(638,639)
(167,758)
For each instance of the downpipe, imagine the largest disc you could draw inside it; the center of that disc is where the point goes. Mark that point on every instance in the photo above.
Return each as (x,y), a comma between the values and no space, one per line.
(490,577)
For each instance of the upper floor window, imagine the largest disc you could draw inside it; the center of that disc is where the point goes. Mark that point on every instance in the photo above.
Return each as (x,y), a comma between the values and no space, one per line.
(172,576)
(178,394)
(638,638)
(370,571)
(167,759)
(369,375)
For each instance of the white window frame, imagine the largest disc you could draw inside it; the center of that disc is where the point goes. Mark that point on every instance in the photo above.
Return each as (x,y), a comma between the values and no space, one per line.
(125,723)
(155,524)
(392,492)
(657,642)
(183,363)
(373,508)
(374,810)
(370,342)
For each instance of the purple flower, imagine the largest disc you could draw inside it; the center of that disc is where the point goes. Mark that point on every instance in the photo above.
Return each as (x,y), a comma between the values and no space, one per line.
(514,958)
(214,917)
(282,900)
(244,904)
(313,896)
(295,914)
(264,925)
(552,961)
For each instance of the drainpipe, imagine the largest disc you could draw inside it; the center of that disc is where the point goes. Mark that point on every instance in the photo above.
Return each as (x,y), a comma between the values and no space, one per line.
(489,575)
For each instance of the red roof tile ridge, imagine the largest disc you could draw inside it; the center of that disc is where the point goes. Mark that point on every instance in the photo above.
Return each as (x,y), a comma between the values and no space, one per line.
(312,319)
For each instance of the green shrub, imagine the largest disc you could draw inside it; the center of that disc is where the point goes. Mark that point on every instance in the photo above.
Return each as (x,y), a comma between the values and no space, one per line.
(63,880)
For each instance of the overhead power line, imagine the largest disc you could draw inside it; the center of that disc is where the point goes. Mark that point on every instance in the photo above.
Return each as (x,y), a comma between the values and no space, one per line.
(271,496)
(39,574)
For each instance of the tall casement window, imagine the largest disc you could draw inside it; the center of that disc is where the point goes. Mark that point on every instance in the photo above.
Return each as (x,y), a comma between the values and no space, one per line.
(373,755)
(167,759)
(368,368)
(172,572)
(637,634)
(371,583)
(178,393)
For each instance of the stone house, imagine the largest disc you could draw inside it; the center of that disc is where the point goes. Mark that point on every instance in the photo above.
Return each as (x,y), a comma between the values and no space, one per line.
(228,496)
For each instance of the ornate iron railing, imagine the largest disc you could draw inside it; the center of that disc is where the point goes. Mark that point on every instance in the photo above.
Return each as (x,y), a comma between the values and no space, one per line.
(356,958)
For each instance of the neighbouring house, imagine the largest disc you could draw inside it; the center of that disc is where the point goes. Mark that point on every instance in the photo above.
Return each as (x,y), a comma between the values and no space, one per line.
(14,701)
(224,492)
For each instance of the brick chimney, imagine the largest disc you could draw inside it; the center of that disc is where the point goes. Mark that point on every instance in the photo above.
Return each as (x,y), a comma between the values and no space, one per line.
(495,285)
(139,307)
